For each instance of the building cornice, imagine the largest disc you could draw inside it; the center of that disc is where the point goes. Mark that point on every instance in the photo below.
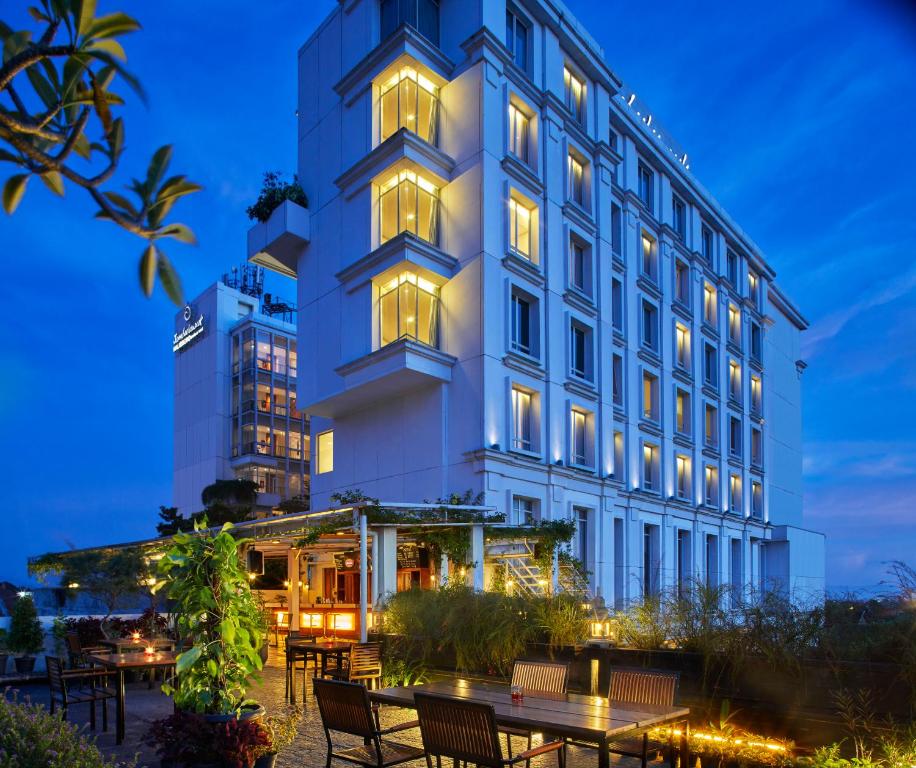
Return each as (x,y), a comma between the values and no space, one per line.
(394,350)
(404,247)
(779,300)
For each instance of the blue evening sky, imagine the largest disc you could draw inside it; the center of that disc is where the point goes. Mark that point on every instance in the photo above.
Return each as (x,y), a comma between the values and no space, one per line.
(799,117)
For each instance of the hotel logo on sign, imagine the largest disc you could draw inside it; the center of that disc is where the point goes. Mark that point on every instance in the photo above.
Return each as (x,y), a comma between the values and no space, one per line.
(191,331)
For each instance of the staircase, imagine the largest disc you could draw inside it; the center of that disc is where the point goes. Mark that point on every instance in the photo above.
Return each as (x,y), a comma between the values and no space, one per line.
(525,577)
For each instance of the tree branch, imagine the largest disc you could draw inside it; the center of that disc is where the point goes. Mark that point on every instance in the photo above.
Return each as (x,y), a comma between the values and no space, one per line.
(31,55)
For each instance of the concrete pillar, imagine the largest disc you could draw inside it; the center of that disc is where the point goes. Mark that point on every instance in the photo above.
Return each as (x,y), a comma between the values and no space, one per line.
(375,559)
(477,554)
(388,561)
(292,570)
(363,573)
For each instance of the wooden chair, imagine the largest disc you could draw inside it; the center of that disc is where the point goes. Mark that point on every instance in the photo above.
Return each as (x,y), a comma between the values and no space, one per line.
(298,660)
(466,731)
(345,708)
(77,653)
(534,677)
(364,665)
(77,686)
(642,686)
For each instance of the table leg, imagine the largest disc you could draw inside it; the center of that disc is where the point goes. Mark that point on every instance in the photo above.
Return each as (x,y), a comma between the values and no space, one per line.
(685,745)
(604,754)
(292,675)
(119,735)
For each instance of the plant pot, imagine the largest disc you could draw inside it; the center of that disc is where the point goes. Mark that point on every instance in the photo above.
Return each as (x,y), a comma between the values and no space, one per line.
(262,651)
(266,761)
(251,712)
(3,658)
(24,664)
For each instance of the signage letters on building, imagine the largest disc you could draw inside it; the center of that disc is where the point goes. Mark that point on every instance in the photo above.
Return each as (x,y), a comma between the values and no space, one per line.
(190,332)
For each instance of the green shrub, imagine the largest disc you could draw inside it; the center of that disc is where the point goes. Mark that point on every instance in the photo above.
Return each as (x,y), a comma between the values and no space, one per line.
(26,635)
(562,620)
(30,737)
(273,192)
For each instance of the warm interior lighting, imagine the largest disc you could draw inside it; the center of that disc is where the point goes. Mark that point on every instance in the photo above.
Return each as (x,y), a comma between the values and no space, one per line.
(345,622)
(311,620)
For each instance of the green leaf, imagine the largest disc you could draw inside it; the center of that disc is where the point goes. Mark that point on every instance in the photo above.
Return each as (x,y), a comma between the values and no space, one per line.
(180,232)
(15,43)
(53,181)
(169,279)
(110,46)
(13,191)
(9,157)
(38,15)
(42,87)
(111,25)
(157,166)
(122,202)
(85,15)
(185,660)
(101,104)
(148,270)
(82,147)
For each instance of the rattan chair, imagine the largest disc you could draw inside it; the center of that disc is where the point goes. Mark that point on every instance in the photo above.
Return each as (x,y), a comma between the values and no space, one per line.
(299,660)
(363,665)
(345,708)
(534,677)
(465,731)
(77,686)
(641,686)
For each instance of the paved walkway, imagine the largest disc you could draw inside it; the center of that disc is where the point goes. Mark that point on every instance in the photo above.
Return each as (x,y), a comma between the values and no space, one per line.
(143,706)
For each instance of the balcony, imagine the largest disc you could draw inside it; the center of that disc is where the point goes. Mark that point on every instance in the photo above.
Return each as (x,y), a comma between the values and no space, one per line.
(391,371)
(279,242)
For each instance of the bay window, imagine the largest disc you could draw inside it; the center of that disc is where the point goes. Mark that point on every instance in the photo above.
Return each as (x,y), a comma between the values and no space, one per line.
(408,308)
(409,100)
(408,203)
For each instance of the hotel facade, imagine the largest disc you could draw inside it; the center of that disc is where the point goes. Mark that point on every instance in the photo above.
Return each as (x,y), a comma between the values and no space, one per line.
(510,281)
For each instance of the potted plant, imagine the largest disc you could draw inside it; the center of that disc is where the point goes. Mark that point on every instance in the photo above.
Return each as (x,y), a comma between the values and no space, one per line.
(281,732)
(220,627)
(3,654)
(26,636)
(185,739)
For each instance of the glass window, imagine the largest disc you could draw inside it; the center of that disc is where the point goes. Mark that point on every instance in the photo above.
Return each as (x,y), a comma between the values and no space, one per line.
(409,308)
(753,288)
(580,342)
(649,326)
(409,100)
(679,216)
(756,395)
(521,419)
(579,441)
(576,181)
(706,244)
(682,282)
(649,258)
(574,92)
(519,127)
(579,272)
(682,346)
(756,498)
(709,304)
(711,427)
(734,436)
(734,325)
(422,15)
(617,379)
(521,324)
(408,203)
(619,465)
(756,447)
(682,412)
(732,267)
(325,452)
(756,342)
(517,39)
(734,380)
(682,472)
(711,495)
(519,228)
(525,511)
(649,396)
(734,493)
(617,304)
(650,467)
(646,186)
(616,229)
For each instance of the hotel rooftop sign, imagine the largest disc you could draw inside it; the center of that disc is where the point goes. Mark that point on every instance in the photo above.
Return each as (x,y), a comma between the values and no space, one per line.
(193,329)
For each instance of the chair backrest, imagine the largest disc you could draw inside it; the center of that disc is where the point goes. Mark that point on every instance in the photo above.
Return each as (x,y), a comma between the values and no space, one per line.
(643,686)
(458,729)
(365,656)
(344,707)
(546,676)
(58,685)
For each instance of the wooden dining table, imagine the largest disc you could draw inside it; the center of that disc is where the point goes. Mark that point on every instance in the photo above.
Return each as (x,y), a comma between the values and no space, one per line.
(129,645)
(322,650)
(119,663)
(581,718)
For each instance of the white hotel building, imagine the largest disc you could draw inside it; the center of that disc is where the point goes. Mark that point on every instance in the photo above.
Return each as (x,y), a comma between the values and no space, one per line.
(509,281)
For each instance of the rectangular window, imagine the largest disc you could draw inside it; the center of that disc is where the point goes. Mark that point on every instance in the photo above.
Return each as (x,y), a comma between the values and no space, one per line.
(710,301)
(650,467)
(706,244)
(524,511)
(519,127)
(578,267)
(734,325)
(734,493)
(679,216)
(576,181)
(651,560)
(646,186)
(617,304)
(521,324)
(325,442)
(409,100)
(756,342)
(519,228)
(757,498)
(711,492)
(619,468)
(579,437)
(711,427)
(521,420)
(574,92)
(735,569)
(616,229)
(409,308)
(732,267)
(682,472)
(650,396)
(408,203)
(682,412)
(682,546)
(682,282)
(580,352)
(617,379)
(756,395)
(581,517)
(517,40)
(422,15)
(650,326)
(682,346)
(734,437)
(756,447)
(753,288)
(649,258)
(710,366)
(734,380)
(712,560)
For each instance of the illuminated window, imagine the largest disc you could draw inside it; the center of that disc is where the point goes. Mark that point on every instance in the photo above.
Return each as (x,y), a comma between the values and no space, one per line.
(756,395)
(682,411)
(646,186)
(711,427)
(734,325)
(682,346)
(576,180)
(649,258)
(408,308)
(519,228)
(517,39)
(711,492)
(521,419)
(709,304)
(753,288)
(409,100)
(650,408)
(619,461)
(734,380)
(734,493)
(408,203)
(579,437)
(682,282)
(682,473)
(679,216)
(519,127)
(325,452)
(650,467)
(756,498)
(574,91)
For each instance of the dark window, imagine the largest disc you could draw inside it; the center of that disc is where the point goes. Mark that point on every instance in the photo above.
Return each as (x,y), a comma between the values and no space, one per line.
(706,244)
(521,324)
(710,366)
(422,15)
(734,436)
(646,184)
(755,341)
(580,352)
(649,326)
(682,282)
(617,379)
(616,229)
(732,267)
(679,211)
(617,304)
(517,39)
(577,265)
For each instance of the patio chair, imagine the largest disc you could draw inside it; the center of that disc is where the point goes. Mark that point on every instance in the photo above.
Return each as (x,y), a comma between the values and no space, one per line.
(77,686)
(466,731)
(362,665)
(345,708)
(642,686)
(77,653)
(535,677)
(299,660)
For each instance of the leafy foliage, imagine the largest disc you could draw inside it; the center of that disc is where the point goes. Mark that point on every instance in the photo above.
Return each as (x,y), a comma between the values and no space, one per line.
(58,98)
(30,737)
(274,192)
(225,501)
(281,731)
(26,635)
(185,738)
(217,618)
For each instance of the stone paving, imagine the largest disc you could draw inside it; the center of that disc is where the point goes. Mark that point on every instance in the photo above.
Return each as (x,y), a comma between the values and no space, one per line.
(310,749)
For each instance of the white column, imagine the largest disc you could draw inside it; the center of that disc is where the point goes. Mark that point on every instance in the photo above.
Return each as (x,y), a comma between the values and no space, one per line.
(363,568)
(292,570)
(443,569)
(375,566)
(477,554)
